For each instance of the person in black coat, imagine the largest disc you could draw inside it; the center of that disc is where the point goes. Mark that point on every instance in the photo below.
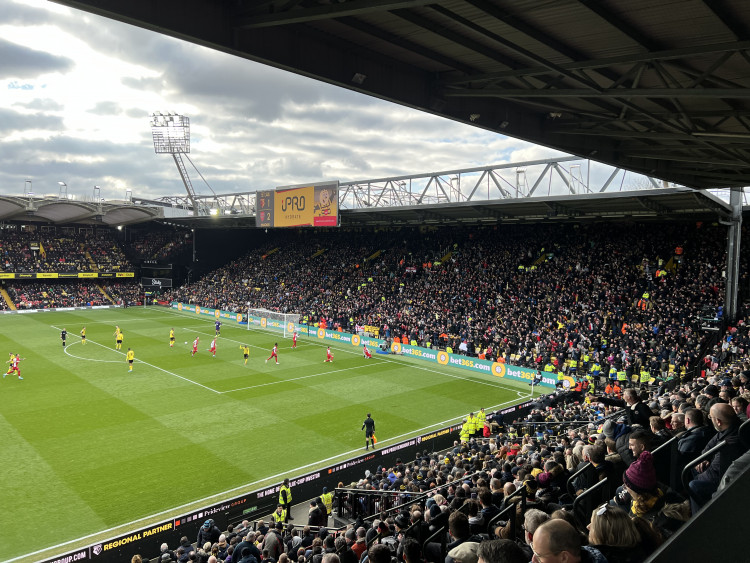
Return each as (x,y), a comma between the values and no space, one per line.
(636,411)
(316,517)
(691,443)
(209,532)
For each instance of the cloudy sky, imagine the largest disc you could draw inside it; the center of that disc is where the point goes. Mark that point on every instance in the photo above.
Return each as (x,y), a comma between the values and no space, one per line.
(76,92)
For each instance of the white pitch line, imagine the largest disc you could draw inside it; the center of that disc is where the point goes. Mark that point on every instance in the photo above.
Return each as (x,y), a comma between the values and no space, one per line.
(294,379)
(348,351)
(186,506)
(87,359)
(208,334)
(152,365)
(183,315)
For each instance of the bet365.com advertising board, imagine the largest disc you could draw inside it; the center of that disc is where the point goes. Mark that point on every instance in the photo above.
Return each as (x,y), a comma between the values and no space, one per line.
(497,369)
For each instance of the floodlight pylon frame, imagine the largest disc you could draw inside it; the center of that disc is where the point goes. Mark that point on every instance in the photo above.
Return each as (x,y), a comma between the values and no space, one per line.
(171,135)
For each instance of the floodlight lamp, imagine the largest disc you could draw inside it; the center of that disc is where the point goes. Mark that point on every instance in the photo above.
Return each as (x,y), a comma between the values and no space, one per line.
(63,184)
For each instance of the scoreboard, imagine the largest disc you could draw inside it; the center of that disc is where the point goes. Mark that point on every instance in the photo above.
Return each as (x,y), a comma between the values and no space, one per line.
(314,205)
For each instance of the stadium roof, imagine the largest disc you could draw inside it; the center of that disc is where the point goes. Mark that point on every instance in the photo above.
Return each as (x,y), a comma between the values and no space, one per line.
(65,211)
(663,204)
(660,87)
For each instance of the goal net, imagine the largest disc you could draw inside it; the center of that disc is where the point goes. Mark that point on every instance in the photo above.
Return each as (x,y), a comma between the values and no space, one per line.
(272,320)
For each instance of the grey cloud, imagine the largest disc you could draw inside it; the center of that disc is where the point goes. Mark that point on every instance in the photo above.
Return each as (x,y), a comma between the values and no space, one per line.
(22,63)
(18,14)
(42,104)
(11,121)
(106,108)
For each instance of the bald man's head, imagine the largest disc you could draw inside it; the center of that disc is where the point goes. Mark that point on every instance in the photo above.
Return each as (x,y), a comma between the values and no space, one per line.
(723,416)
(554,537)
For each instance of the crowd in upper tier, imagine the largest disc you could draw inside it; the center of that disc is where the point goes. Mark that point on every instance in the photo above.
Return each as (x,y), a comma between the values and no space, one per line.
(49,294)
(159,245)
(529,295)
(60,252)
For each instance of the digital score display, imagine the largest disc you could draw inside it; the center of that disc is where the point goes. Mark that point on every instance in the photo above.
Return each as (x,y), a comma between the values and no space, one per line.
(315,205)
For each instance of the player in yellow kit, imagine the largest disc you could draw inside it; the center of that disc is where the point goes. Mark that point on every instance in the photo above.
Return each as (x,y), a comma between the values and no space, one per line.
(245,351)
(83,335)
(118,338)
(171,338)
(130,356)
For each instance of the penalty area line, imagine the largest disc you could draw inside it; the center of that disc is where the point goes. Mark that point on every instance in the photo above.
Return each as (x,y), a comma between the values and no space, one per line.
(151,365)
(295,379)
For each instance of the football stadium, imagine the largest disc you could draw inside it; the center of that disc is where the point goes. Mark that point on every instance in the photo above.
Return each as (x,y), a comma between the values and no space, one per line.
(540,360)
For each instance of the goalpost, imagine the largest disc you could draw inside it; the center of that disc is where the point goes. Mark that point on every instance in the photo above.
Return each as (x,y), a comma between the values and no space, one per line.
(283,319)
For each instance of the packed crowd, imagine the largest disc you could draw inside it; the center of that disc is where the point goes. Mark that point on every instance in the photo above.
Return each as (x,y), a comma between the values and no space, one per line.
(159,245)
(49,295)
(59,252)
(631,294)
(127,293)
(52,294)
(470,487)
(106,254)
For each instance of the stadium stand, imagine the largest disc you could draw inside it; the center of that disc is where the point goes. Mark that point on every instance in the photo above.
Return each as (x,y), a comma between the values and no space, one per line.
(570,297)
(538,297)
(64,252)
(498,492)
(560,298)
(51,295)
(159,245)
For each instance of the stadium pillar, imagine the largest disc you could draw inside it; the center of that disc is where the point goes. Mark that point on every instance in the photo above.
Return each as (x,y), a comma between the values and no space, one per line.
(733,255)
(193,245)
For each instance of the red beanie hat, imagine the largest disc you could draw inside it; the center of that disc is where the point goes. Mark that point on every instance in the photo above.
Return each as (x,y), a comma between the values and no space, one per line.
(641,475)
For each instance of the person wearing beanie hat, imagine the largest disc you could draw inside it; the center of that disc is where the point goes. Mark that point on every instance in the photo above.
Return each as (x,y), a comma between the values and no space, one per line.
(640,482)
(640,477)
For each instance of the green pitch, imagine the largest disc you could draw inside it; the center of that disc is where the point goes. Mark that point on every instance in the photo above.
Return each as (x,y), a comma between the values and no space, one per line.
(88,446)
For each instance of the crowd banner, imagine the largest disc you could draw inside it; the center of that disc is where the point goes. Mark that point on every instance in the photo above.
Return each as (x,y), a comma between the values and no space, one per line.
(62,275)
(498,369)
(60,309)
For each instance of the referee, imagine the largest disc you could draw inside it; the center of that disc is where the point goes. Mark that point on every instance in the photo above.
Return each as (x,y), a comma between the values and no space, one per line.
(369,427)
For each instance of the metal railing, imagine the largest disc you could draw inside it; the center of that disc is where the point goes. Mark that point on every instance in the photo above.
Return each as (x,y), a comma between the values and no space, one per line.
(592,497)
(569,484)
(686,475)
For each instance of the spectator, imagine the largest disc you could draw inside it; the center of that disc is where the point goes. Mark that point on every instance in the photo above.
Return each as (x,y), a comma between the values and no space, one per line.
(709,472)
(697,434)
(557,541)
(614,534)
(500,551)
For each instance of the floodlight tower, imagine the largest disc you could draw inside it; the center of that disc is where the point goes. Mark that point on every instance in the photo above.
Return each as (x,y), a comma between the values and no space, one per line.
(171,133)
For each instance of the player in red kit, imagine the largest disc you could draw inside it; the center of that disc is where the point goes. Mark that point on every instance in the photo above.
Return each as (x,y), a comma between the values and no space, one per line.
(15,365)
(294,339)
(365,351)
(273,353)
(329,355)
(212,349)
(195,345)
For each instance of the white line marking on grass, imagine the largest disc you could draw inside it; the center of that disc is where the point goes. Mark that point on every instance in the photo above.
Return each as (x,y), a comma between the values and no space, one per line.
(222,338)
(152,365)
(87,359)
(350,351)
(293,379)
(247,487)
